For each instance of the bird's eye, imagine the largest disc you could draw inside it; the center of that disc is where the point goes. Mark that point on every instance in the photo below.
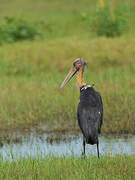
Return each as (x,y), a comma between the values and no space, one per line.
(74,64)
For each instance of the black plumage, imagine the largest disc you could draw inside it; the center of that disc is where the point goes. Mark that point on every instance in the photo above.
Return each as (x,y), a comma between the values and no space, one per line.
(90,107)
(90,115)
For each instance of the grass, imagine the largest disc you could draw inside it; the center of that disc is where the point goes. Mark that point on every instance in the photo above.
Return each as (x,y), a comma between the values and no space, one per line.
(30,76)
(32,71)
(58,18)
(119,167)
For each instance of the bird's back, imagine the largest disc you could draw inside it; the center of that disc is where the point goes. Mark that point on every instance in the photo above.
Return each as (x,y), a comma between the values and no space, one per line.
(90,114)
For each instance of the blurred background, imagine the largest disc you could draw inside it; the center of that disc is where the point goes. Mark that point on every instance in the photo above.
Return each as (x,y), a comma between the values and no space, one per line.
(39,40)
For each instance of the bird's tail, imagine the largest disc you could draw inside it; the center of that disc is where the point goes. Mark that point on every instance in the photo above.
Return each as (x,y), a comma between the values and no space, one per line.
(91,136)
(92,140)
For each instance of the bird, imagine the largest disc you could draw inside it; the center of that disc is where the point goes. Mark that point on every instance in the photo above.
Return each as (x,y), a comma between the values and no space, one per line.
(90,107)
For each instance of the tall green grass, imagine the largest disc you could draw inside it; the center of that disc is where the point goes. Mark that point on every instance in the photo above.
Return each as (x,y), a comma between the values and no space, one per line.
(31,74)
(118,167)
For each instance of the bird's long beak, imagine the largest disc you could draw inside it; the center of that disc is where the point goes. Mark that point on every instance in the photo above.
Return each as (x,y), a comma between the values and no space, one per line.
(69,76)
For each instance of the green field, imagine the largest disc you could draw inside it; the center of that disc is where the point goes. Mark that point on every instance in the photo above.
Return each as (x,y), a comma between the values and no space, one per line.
(119,167)
(31,71)
(31,99)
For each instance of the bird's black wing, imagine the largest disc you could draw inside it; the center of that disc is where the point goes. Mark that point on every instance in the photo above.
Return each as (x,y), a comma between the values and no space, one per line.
(100,108)
(88,119)
(90,114)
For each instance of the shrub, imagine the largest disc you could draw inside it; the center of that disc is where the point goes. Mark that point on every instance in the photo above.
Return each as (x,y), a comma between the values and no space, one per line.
(107,22)
(12,30)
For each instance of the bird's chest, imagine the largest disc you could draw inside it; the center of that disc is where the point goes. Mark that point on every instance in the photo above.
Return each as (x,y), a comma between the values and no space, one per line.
(89,102)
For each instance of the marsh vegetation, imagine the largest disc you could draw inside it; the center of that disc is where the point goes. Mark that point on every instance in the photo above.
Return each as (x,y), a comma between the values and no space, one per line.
(118,167)
(32,70)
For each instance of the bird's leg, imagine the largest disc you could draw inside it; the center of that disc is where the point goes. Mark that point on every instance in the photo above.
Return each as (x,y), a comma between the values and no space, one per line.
(83,146)
(98,149)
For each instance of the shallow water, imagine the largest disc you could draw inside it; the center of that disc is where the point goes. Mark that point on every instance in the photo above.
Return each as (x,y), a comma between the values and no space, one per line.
(35,145)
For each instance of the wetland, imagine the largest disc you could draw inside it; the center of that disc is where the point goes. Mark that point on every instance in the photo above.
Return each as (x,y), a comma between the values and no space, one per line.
(39,134)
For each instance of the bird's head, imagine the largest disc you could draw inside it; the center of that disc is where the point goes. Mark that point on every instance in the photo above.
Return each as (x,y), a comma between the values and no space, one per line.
(78,65)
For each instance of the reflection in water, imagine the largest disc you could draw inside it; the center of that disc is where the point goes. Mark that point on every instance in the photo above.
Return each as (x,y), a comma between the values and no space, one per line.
(34,145)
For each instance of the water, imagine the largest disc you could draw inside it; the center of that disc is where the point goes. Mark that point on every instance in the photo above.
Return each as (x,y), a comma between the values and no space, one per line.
(37,145)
